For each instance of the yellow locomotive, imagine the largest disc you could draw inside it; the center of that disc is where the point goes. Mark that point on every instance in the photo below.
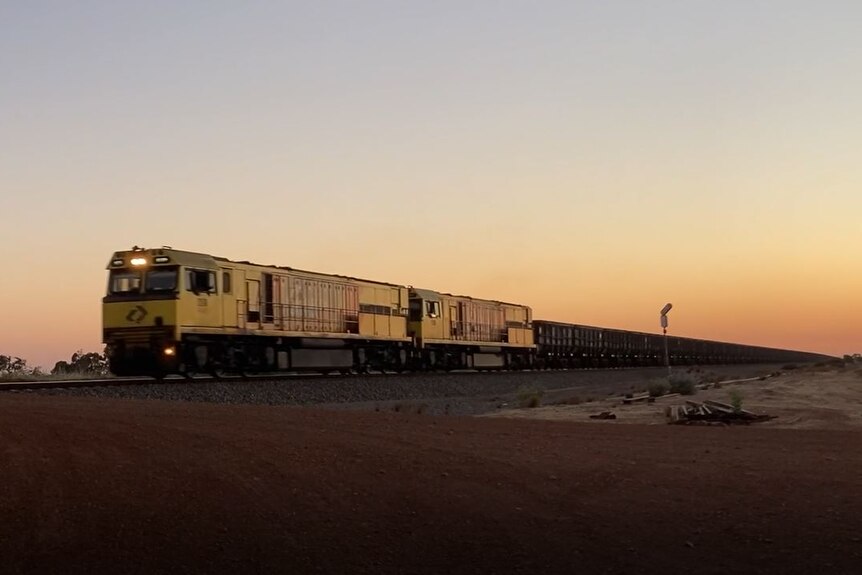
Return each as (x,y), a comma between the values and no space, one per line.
(171,311)
(463,332)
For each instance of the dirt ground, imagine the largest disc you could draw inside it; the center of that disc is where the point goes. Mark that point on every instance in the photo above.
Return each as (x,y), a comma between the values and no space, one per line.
(806,398)
(94,485)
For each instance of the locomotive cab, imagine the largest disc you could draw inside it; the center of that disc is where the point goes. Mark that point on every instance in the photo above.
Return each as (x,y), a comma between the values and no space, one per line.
(147,292)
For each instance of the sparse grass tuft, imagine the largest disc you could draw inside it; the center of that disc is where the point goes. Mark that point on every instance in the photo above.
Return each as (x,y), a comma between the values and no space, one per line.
(736,400)
(573,400)
(529,396)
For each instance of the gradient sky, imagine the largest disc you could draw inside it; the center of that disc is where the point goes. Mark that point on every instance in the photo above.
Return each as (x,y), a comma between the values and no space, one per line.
(594,160)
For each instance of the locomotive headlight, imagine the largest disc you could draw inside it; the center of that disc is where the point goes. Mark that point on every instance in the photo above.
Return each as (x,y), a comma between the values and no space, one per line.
(139,261)
(170,351)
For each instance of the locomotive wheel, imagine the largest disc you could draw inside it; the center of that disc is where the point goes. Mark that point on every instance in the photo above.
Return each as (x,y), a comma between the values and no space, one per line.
(187,374)
(217,373)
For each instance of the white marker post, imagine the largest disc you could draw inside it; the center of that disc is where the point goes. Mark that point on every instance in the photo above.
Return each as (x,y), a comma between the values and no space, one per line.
(664,311)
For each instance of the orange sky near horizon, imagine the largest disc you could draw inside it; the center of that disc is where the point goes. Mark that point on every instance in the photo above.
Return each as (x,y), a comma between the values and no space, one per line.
(594,162)
(812,307)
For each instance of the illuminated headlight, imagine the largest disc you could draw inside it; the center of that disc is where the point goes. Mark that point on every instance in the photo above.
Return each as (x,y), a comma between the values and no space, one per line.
(139,261)
(170,351)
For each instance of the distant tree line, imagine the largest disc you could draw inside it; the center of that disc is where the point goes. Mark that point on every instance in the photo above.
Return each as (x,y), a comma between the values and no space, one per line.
(92,363)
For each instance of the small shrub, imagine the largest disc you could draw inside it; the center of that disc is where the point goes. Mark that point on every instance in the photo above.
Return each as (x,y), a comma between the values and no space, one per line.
(736,400)
(530,396)
(658,388)
(682,384)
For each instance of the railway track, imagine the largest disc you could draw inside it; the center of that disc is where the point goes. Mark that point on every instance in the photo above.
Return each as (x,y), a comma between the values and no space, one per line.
(127,381)
(203,379)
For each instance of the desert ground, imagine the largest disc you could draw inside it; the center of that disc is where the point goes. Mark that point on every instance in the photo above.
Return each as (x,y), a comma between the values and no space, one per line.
(810,397)
(96,485)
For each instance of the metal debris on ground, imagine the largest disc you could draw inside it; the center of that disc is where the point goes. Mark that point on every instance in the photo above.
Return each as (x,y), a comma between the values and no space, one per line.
(711,413)
(630,398)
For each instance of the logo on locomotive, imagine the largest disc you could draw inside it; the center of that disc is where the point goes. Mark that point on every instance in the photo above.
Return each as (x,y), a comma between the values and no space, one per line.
(136,314)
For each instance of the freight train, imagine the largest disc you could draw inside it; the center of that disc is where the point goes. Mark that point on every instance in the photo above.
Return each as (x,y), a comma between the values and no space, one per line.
(169,311)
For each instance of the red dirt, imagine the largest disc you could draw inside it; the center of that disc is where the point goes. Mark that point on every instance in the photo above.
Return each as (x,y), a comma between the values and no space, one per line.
(95,485)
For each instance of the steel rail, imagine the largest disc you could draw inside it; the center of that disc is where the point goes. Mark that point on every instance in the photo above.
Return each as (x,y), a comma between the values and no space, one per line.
(275,376)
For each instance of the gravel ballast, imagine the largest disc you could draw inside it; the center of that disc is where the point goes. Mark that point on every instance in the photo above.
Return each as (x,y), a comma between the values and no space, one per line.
(453,393)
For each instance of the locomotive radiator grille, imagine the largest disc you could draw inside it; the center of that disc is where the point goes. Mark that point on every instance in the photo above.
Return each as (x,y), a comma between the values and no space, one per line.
(137,336)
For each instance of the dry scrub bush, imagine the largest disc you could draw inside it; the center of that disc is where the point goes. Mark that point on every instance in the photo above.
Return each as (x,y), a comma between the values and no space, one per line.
(682,383)
(658,388)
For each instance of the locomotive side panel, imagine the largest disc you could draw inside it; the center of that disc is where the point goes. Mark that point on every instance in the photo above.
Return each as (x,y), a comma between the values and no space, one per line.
(312,305)
(383,311)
